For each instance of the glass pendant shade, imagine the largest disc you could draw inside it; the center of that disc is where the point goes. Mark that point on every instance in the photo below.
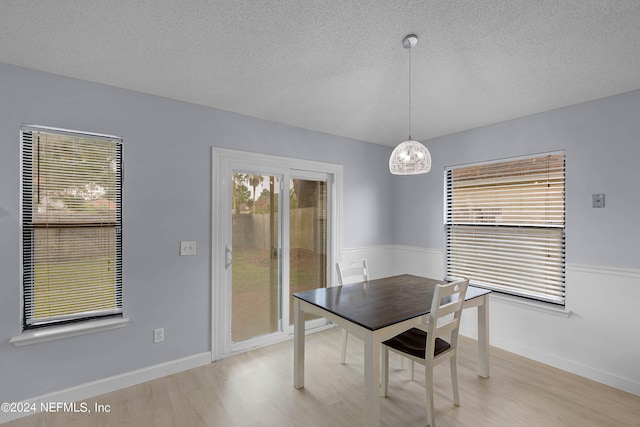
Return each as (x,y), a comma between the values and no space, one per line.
(410,158)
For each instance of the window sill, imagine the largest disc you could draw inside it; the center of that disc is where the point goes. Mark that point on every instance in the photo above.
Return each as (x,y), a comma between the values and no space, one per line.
(58,332)
(538,306)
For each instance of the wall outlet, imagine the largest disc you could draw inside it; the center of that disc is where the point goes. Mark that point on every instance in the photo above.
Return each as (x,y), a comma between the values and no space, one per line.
(158,335)
(187,247)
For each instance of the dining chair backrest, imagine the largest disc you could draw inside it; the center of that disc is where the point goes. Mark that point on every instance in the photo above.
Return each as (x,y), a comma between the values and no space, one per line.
(352,272)
(444,317)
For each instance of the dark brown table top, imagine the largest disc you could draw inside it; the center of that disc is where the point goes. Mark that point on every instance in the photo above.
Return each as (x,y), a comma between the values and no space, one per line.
(381,302)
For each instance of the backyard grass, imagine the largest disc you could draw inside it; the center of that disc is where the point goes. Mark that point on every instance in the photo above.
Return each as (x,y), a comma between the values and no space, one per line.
(251,296)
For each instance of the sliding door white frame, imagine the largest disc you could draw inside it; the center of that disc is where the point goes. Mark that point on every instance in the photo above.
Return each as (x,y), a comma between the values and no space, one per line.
(224,161)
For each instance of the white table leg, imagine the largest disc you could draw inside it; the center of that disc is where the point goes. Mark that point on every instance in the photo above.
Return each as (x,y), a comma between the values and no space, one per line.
(298,344)
(483,337)
(371,382)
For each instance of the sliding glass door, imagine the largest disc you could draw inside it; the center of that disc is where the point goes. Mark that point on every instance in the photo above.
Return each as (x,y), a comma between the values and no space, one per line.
(273,236)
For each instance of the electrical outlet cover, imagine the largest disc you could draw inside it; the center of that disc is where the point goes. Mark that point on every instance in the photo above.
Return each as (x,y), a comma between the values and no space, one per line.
(158,335)
(187,247)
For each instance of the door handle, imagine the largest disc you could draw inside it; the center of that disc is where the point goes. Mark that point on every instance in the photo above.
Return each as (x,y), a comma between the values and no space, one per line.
(228,257)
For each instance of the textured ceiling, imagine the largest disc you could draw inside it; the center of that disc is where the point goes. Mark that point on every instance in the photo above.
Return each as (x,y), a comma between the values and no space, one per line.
(338,66)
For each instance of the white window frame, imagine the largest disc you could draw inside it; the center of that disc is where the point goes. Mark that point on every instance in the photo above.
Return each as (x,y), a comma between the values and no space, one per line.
(65,326)
(461,264)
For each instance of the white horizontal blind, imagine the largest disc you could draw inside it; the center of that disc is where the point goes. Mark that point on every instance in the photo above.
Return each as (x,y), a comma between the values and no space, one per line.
(505,226)
(72,226)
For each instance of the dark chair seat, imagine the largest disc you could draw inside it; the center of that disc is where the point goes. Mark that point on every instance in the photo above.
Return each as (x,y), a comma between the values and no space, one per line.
(414,342)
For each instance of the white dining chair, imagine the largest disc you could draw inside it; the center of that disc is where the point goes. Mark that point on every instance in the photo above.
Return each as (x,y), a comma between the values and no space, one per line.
(432,343)
(350,272)
(411,364)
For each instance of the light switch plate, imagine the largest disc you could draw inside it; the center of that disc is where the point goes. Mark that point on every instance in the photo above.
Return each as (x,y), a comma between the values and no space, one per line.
(187,247)
(598,200)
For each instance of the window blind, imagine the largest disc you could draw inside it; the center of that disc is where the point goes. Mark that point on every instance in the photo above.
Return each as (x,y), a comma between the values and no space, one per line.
(505,226)
(71,226)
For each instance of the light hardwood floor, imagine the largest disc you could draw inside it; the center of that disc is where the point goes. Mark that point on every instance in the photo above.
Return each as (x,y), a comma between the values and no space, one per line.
(256,389)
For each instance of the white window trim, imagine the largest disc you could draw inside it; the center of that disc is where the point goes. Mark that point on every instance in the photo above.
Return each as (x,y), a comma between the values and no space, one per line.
(512,299)
(80,327)
(34,336)
(541,306)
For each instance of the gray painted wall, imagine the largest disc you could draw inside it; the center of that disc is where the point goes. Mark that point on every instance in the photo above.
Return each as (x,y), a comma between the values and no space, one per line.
(601,140)
(167,198)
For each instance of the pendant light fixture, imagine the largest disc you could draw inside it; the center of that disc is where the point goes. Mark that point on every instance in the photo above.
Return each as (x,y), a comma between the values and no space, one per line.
(410,157)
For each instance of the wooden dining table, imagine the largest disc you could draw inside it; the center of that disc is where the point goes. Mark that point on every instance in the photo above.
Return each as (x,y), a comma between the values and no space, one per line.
(375,311)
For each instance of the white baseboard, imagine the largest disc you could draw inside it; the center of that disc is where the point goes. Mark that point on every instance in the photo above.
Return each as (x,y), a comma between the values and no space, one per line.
(107,385)
(582,370)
